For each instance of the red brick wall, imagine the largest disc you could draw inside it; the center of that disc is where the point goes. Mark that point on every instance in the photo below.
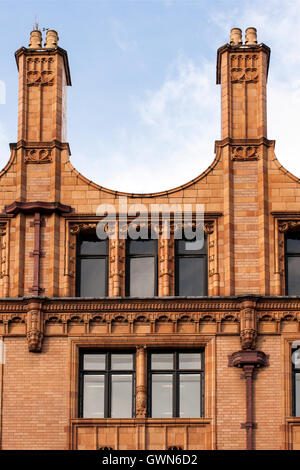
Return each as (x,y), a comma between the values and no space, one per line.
(35,395)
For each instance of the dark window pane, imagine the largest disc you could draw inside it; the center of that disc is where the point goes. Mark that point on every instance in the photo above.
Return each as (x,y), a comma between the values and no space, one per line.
(142,277)
(161,361)
(293,274)
(121,362)
(191,272)
(121,396)
(297,394)
(93,277)
(162,396)
(293,242)
(93,247)
(94,362)
(190,247)
(189,394)
(189,361)
(142,247)
(93,390)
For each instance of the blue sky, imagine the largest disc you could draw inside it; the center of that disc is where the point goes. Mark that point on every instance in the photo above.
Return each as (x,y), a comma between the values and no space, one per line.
(144,109)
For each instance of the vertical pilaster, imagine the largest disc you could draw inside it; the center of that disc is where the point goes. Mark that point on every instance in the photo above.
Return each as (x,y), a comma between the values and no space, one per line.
(141,391)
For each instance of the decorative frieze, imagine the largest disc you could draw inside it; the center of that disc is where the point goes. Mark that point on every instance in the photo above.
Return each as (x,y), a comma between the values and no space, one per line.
(38,156)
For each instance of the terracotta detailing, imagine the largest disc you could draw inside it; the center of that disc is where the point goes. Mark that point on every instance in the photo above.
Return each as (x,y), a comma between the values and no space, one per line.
(248,328)
(43,77)
(4,258)
(34,326)
(141,390)
(38,206)
(37,253)
(248,359)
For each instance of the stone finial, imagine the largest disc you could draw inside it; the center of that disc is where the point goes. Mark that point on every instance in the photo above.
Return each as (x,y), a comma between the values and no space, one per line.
(51,39)
(235,37)
(251,37)
(35,39)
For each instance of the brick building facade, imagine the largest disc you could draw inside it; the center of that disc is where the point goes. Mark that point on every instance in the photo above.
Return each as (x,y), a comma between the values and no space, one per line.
(70,354)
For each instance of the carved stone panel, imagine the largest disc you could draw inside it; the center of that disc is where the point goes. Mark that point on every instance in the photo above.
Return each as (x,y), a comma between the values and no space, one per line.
(40,71)
(38,156)
(244,68)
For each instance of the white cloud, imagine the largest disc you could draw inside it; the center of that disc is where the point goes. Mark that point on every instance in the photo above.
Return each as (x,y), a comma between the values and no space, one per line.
(120,36)
(174,137)
(278,26)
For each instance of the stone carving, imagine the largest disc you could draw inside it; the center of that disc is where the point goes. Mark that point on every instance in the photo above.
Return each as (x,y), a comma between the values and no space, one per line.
(82,227)
(34,330)
(248,325)
(141,401)
(285,225)
(244,68)
(38,156)
(245,152)
(39,71)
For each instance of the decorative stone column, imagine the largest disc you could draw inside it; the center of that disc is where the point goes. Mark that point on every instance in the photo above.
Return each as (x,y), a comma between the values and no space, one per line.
(141,390)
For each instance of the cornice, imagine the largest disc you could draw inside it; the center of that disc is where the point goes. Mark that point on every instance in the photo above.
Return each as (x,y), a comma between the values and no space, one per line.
(157,304)
(22,144)
(240,49)
(37,52)
(36,206)
(238,142)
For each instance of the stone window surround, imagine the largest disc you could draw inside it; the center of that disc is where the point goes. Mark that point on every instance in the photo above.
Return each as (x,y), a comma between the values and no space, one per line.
(77,224)
(142,346)
(283,221)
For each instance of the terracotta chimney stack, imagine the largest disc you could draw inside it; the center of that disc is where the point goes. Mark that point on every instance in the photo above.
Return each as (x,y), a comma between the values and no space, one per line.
(235,37)
(35,39)
(51,39)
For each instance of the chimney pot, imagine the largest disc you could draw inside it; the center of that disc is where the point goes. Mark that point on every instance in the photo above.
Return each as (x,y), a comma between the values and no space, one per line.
(35,39)
(235,37)
(51,39)
(251,37)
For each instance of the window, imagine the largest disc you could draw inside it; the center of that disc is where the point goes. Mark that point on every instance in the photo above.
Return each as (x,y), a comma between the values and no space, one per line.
(141,268)
(107,384)
(190,268)
(292,263)
(296,380)
(92,267)
(176,384)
